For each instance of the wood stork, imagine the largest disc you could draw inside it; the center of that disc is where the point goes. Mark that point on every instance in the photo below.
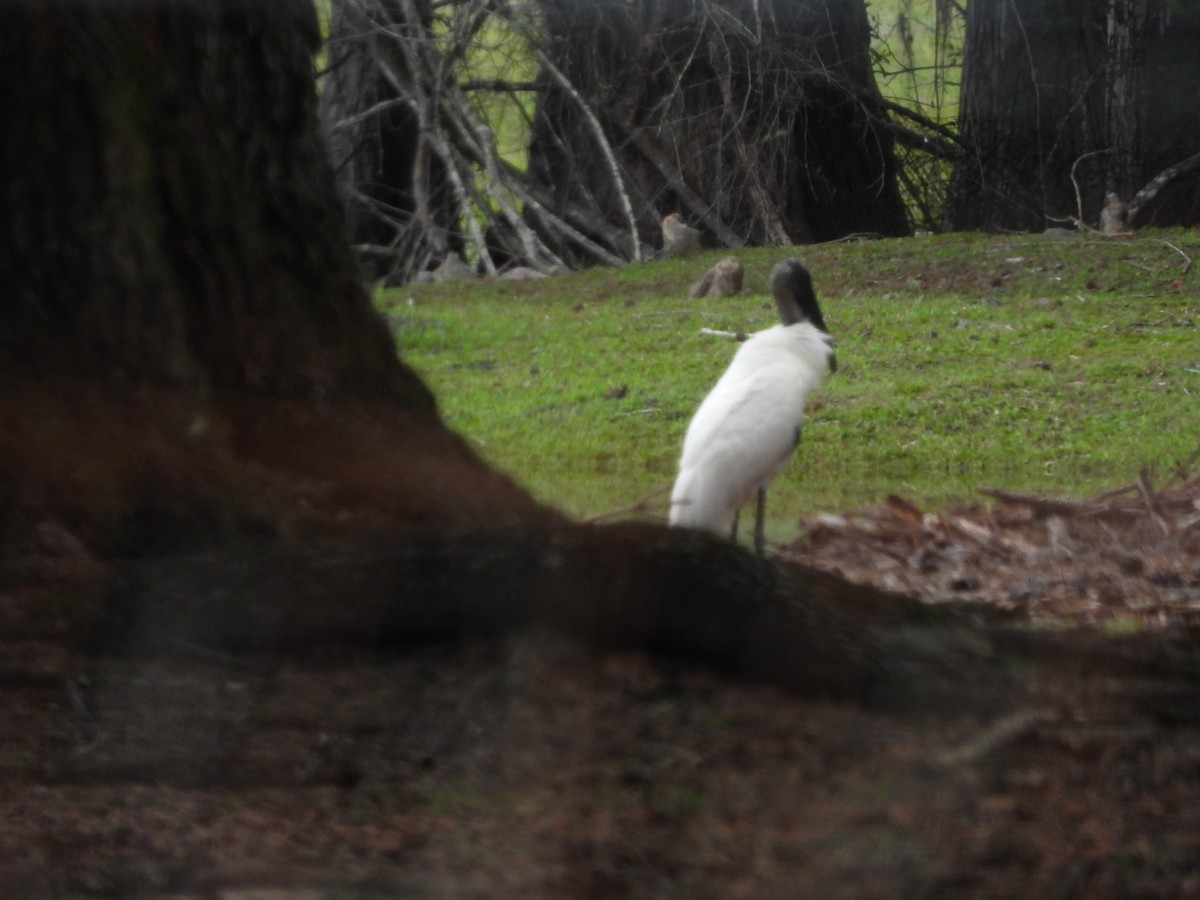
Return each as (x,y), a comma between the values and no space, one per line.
(746,429)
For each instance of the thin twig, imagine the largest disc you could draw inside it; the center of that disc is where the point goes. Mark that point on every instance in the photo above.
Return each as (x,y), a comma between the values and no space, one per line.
(1112,494)
(1003,731)
(1187,264)
(645,505)
(696,204)
(1079,222)
(602,142)
(716,332)
(1047,506)
(1151,500)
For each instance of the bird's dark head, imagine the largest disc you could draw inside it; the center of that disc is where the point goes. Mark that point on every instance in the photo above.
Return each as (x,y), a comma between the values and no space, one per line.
(791,286)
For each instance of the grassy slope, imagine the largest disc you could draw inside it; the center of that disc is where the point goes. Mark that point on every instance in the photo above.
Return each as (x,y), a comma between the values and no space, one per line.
(1023,362)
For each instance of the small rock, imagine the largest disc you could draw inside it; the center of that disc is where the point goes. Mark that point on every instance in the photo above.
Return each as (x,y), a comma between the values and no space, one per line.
(1060,233)
(521,273)
(679,238)
(724,279)
(1113,216)
(453,267)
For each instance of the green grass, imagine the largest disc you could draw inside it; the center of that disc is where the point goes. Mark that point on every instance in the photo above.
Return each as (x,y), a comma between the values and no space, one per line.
(1020,362)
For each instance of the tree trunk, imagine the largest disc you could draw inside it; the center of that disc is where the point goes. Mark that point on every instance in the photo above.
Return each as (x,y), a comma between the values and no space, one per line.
(760,121)
(185,345)
(173,223)
(1108,92)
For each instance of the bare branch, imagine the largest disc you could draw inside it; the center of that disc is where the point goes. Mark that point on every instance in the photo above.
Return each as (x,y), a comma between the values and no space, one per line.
(602,141)
(1158,182)
(500,86)
(946,144)
(425,109)
(1187,260)
(706,115)
(1079,221)
(701,208)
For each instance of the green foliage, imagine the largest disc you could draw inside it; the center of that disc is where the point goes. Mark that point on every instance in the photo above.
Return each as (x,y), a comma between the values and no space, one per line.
(917,50)
(1024,362)
(497,55)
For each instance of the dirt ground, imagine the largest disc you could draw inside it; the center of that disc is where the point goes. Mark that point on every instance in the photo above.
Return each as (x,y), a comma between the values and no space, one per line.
(531,767)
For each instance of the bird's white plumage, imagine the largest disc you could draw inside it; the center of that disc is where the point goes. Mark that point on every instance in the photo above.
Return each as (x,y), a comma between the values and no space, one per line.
(746,428)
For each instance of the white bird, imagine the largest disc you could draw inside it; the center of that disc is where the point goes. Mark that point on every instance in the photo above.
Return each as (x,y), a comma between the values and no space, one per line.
(746,429)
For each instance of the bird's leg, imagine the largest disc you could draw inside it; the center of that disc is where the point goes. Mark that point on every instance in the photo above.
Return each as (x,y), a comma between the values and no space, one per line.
(759,515)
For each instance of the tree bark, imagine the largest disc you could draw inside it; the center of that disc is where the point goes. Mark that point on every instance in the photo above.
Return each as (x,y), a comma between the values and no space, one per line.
(186,350)
(171,221)
(1106,93)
